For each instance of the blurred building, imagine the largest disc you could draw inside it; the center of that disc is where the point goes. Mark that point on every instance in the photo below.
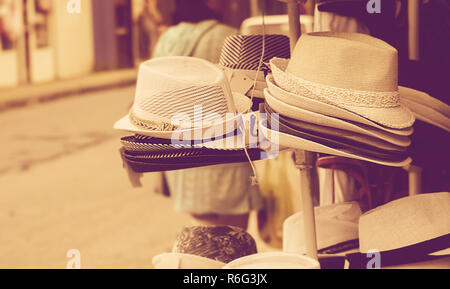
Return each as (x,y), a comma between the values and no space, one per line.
(57,41)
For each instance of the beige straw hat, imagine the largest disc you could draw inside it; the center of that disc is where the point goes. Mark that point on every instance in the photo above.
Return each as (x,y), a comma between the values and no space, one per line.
(336,225)
(351,71)
(405,222)
(192,89)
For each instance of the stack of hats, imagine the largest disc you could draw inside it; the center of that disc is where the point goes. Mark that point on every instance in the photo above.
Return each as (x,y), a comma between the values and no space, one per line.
(338,95)
(246,67)
(183,116)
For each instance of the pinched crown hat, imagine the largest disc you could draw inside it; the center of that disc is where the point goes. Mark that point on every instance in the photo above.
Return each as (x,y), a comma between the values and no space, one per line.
(179,93)
(351,71)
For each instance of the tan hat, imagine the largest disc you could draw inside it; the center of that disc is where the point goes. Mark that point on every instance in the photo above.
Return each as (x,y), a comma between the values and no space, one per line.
(352,71)
(336,225)
(170,94)
(405,222)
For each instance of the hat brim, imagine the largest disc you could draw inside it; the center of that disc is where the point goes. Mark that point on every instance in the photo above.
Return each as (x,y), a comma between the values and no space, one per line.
(328,109)
(428,114)
(294,142)
(323,120)
(398,117)
(228,126)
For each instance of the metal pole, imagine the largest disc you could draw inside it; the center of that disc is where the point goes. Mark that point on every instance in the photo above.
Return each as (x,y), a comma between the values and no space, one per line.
(304,161)
(413,31)
(294,22)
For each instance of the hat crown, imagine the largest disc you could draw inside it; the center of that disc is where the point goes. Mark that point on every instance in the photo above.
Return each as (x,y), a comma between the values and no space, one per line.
(167,86)
(346,60)
(245,51)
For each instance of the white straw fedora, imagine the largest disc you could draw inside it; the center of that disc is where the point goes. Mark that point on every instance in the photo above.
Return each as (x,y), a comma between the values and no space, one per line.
(405,222)
(178,86)
(184,261)
(336,226)
(273,260)
(358,74)
(323,120)
(319,107)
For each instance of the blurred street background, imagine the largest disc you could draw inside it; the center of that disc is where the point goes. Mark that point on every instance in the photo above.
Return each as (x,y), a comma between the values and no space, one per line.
(67,73)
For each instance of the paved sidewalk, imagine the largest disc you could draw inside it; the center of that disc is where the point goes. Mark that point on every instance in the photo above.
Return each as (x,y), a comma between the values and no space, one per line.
(37,93)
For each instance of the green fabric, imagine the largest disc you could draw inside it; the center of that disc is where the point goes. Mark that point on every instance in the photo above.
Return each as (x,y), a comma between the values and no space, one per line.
(204,40)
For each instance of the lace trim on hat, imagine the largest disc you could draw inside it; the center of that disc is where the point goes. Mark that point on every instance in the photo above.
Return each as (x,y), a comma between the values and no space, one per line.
(151,125)
(334,95)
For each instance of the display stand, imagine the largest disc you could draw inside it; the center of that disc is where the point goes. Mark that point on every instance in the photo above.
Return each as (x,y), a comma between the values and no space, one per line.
(305,161)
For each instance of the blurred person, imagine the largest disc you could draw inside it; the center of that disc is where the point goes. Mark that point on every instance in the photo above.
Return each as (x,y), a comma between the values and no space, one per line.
(10,22)
(214,195)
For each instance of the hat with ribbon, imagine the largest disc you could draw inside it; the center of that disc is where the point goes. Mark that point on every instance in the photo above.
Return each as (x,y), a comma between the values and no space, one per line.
(180,94)
(407,230)
(358,74)
(336,229)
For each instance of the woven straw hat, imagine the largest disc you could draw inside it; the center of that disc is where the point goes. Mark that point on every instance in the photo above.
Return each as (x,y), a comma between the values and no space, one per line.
(351,71)
(335,225)
(180,86)
(273,260)
(405,222)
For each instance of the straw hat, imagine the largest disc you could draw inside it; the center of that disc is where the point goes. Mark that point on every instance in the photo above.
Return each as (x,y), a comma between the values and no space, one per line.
(336,227)
(405,222)
(220,243)
(273,260)
(184,261)
(358,74)
(173,86)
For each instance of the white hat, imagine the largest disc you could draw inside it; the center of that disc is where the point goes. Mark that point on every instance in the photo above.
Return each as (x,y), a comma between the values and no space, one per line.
(405,222)
(273,260)
(359,73)
(184,261)
(335,225)
(180,86)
